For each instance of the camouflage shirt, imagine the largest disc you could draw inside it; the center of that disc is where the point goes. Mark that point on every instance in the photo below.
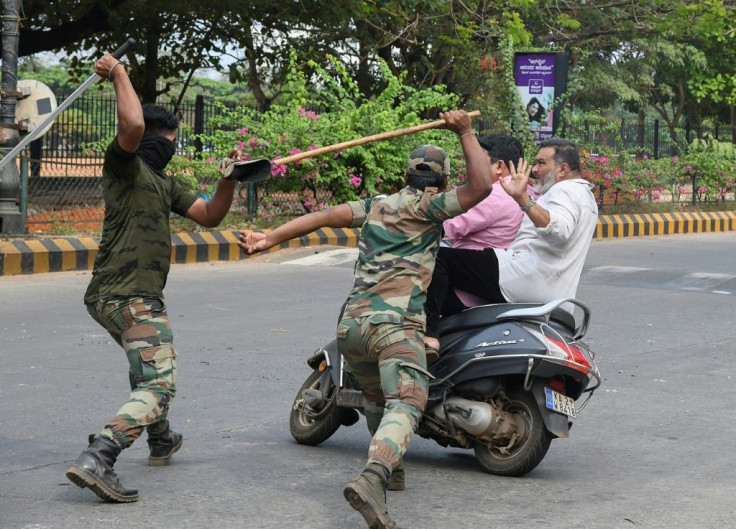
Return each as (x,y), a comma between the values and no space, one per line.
(135,251)
(397,248)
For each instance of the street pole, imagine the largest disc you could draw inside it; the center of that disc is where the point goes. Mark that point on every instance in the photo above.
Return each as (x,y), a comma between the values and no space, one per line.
(11,218)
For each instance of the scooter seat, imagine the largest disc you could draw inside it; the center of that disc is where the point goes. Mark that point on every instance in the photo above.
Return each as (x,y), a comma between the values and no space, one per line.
(487,314)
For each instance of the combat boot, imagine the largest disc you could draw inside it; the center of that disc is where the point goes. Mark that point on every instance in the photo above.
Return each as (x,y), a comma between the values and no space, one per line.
(397,479)
(93,469)
(162,446)
(367,495)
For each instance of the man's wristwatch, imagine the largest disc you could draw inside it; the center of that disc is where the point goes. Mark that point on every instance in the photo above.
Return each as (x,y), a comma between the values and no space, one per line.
(529,205)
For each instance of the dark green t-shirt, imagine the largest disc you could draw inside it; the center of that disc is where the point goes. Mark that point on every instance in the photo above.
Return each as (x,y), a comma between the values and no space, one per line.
(135,251)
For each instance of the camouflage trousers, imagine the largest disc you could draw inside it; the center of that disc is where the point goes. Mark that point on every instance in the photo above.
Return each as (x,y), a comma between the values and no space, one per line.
(141,327)
(387,359)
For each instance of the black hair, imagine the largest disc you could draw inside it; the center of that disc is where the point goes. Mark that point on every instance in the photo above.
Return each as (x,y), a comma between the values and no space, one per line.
(422,182)
(539,114)
(159,120)
(566,151)
(502,147)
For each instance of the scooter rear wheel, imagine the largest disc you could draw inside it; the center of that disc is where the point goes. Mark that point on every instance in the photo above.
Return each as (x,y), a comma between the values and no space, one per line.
(310,426)
(524,455)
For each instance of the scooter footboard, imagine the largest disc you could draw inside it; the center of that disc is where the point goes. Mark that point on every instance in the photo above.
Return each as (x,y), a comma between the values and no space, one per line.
(556,423)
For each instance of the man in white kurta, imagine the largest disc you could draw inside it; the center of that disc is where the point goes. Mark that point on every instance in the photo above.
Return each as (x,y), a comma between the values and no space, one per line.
(545,262)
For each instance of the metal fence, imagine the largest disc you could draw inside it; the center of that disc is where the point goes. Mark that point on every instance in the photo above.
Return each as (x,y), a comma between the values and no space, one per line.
(65,165)
(646,137)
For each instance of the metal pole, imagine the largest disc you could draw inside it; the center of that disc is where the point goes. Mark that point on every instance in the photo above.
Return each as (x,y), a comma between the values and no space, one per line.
(11,220)
(24,189)
(251,201)
(198,122)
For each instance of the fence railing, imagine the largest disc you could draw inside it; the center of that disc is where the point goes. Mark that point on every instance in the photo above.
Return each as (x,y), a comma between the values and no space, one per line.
(64,174)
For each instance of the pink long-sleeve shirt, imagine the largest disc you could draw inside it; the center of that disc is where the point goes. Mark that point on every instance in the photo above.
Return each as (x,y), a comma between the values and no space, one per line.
(492,223)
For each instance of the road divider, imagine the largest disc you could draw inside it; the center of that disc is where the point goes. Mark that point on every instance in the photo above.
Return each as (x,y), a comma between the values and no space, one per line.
(59,254)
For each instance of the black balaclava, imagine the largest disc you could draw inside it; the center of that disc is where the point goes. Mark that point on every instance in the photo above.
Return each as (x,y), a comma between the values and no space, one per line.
(156,151)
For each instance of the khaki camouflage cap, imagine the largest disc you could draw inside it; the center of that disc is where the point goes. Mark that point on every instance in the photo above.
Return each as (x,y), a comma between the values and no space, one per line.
(429,160)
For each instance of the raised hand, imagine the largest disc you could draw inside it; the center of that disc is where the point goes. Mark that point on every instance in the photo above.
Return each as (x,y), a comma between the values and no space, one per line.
(106,66)
(517,184)
(457,121)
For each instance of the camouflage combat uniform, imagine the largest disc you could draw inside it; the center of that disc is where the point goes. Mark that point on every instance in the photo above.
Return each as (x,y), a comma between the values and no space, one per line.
(125,294)
(381,332)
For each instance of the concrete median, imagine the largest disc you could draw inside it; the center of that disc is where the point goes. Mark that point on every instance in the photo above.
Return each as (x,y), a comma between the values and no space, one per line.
(57,254)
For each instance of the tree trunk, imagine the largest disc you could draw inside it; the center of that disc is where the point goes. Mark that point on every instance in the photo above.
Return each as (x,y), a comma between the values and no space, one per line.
(697,120)
(147,87)
(640,132)
(254,81)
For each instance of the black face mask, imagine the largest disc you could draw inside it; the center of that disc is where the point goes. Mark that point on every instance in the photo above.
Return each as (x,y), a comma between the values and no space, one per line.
(156,151)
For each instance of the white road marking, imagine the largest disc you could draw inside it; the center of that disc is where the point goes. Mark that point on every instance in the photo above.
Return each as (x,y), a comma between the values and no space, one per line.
(328,258)
(672,280)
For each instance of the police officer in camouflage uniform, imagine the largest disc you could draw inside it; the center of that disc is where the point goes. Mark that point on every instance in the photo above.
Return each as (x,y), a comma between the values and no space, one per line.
(125,294)
(381,331)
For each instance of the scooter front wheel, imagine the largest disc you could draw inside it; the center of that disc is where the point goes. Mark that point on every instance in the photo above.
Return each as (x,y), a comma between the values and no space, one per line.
(312,425)
(524,454)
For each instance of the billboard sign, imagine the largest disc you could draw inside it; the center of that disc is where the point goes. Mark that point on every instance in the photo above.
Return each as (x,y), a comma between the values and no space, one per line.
(539,78)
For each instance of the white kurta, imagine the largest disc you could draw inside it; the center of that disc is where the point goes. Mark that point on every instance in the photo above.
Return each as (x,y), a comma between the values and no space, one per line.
(543,264)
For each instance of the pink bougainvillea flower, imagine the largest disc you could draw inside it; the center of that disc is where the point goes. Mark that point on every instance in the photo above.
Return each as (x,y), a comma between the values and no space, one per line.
(277,170)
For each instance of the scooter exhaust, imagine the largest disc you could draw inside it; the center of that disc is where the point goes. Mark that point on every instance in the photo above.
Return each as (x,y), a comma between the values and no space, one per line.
(479,419)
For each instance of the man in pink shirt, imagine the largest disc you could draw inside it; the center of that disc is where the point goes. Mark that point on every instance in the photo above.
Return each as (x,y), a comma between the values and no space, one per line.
(495,221)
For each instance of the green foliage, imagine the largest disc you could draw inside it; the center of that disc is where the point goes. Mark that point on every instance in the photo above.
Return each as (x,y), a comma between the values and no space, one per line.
(706,171)
(55,76)
(290,127)
(197,175)
(713,167)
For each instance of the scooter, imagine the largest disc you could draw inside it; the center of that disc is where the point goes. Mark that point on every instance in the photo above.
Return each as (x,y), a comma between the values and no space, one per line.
(506,384)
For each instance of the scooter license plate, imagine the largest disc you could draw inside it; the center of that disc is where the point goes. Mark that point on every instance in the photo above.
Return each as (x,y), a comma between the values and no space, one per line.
(560,403)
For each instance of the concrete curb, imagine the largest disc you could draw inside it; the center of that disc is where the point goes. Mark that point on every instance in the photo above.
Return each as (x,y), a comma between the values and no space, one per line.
(29,256)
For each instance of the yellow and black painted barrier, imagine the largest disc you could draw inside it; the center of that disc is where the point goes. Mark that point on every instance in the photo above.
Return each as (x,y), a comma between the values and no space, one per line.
(646,224)
(29,256)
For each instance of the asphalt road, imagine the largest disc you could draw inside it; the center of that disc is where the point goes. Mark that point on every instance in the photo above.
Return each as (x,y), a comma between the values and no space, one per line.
(653,449)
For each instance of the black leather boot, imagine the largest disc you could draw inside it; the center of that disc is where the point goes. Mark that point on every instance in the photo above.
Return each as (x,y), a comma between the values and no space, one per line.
(93,469)
(162,446)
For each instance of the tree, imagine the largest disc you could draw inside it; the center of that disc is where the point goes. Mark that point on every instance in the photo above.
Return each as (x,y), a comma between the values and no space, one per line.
(711,27)
(174,38)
